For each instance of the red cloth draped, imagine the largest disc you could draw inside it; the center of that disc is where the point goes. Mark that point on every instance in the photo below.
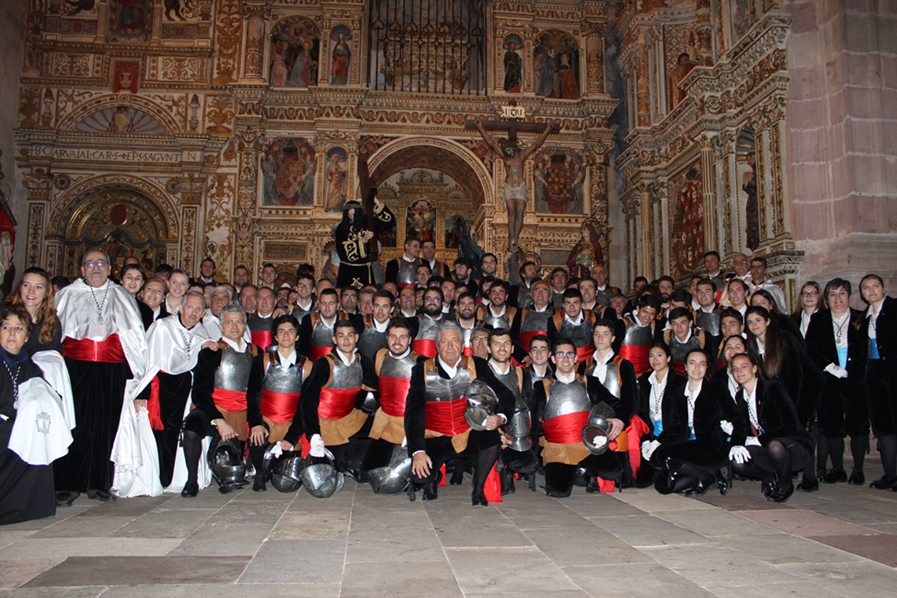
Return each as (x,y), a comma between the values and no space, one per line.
(447,417)
(262,338)
(306,446)
(637,355)
(337,403)
(280,407)
(393,394)
(152,406)
(107,351)
(527,336)
(318,352)
(565,429)
(583,353)
(402,285)
(636,429)
(678,366)
(232,400)
(468,351)
(425,347)
(492,488)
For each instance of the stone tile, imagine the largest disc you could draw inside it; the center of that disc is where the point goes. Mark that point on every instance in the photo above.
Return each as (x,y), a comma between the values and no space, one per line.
(585,545)
(715,523)
(798,589)
(490,571)
(888,528)
(863,578)
(881,548)
(714,565)
(470,527)
(83,526)
(13,536)
(314,562)
(541,518)
(329,525)
(90,592)
(396,544)
(93,571)
(742,501)
(515,593)
(38,524)
(378,518)
(653,581)
(648,500)
(804,523)
(852,513)
(63,547)
(122,507)
(783,549)
(15,572)
(603,505)
(240,512)
(266,590)
(215,539)
(648,530)
(398,580)
(166,523)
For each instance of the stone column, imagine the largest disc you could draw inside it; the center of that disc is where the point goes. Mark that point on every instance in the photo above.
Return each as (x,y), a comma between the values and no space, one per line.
(253,66)
(710,208)
(156,35)
(593,36)
(39,189)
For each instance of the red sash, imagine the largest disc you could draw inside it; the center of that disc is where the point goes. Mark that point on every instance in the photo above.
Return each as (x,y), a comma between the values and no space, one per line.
(232,400)
(583,353)
(337,403)
(637,355)
(318,352)
(678,366)
(634,432)
(279,406)
(402,285)
(526,337)
(468,351)
(393,394)
(152,406)
(425,347)
(262,338)
(565,429)
(447,417)
(107,351)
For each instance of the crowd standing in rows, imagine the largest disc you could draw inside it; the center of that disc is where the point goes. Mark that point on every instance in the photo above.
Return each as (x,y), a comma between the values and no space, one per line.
(165,383)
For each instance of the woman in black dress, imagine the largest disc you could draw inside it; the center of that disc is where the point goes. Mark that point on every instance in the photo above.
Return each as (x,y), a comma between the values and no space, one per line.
(654,407)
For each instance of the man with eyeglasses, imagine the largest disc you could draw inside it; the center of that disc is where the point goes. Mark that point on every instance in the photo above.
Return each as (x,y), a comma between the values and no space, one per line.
(305,304)
(105,352)
(561,409)
(742,268)
(428,322)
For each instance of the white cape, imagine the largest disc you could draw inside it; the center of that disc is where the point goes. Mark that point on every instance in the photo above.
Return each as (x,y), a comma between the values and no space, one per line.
(55,372)
(135,455)
(40,434)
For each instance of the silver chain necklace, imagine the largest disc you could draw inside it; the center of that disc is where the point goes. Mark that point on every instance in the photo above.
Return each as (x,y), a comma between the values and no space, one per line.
(188,340)
(839,328)
(15,383)
(657,397)
(753,415)
(99,305)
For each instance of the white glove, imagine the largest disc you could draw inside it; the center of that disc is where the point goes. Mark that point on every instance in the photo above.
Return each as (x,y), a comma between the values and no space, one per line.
(404,442)
(275,450)
(727,427)
(752,441)
(317,446)
(648,448)
(739,454)
(836,370)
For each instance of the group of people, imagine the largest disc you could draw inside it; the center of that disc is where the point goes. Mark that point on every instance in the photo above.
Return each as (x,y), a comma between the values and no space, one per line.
(447,370)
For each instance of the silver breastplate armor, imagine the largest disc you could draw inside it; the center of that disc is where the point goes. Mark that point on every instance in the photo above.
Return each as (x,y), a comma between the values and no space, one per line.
(536,320)
(371,341)
(497,322)
(233,372)
(282,379)
(581,335)
(709,323)
(345,377)
(322,336)
(524,297)
(407,272)
(638,336)
(678,350)
(397,368)
(466,335)
(440,389)
(564,399)
(426,330)
(300,313)
(510,380)
(612,380)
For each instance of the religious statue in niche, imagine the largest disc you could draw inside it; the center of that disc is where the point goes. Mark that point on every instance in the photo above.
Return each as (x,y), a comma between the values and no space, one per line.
(340,38)
(131,21)
(288,173)
(295,53)
(559,177)
(752,207)
(556,65)
(587,252)
(421,221)
(337,180)
(453,225)
(683,67)
(690,199)
(513,62)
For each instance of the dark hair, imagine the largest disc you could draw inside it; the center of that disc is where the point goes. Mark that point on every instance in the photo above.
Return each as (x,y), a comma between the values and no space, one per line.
(732,313)
(572,294)
(345,290)
(762,260)
(46,311)
(305,270)
(129,267)
(463,261)
(465,295)
(587,279)
(305,276)
(539,337)
(425,241)
(499,284)
(681,312)
(24,317)
(485,255)
(60,281)
(207,259)
(768,296)
(523,266)
(667,279)
(713,253)
(681,296)
(810,283)
(604,323)
(164,269)
(561,270)
(499,332)
(775,349)
(638,279)
(755,361)
(562,341)
(344,323)
(837,283)
(705,282)
(662,346)
(383,295)
(741,282)
(328,291)
(435,280)
(435,290)
(648,300)
(399,322)
(241,267)
(706,357)
(284,319)
(695,277)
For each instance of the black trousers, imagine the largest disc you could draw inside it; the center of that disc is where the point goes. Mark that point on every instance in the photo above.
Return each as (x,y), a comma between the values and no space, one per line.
(559,476)
(174,390)
(440,450)
(881,397)
(843,409)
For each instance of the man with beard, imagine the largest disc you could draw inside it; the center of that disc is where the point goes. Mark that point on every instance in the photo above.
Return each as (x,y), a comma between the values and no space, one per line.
(105,353)
(373,336)
(464,274)
(428,258)
(666,285)
(241,277)
(207,272)
(434,415)
(305,304)
(403,271)
(352,237)
(173,346)
(466,317)
(428,322)
(497,314)
(521,294)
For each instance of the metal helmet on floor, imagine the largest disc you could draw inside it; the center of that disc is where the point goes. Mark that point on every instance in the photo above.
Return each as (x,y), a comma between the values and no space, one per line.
(226,463)
(320,477)
(393,478)
(284,470)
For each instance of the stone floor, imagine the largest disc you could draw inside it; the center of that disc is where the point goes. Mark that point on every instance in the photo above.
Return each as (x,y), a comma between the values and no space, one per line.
(840,541)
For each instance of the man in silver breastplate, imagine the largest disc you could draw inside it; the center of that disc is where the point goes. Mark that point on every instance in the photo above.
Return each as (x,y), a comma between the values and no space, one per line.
(327,413)
(305,304)
(682,338)
(520,296)
(540,353)
(707,316)
(435,425)
(639,335)
(316,329)
(573,323)
(428,322)
(532,321)
(403,271)
(221,379)
(373,335)
(466,317)
(497,314)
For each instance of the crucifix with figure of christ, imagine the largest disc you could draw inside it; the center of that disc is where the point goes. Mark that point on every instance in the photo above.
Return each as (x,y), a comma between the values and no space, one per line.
(515,192)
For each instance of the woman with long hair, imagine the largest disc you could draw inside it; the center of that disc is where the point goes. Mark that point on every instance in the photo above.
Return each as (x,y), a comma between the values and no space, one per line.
(807,305)
(35,295)
(880,321)
(776,444)
(732,346)
(698,454)
(763,298)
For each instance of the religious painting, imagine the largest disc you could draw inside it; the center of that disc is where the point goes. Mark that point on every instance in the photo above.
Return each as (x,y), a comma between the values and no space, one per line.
(587,252)
(559,182)
(683,67)
(336,179)
(513,62)
(746,164)
(421,221)
(341,55)
(295,48)
(428,46)
(690,218)
(288,173)
(130,21)
(453,226)
(556,65)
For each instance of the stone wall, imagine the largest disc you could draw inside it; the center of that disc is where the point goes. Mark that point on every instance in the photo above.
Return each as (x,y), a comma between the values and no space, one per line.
(842,137)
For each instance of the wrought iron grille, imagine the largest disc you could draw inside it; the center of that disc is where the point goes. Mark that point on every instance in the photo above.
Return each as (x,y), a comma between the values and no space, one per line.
(428,46)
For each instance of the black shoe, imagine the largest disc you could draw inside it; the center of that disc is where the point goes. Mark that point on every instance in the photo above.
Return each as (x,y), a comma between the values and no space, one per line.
(478,499)
(231,487)
(191,489)
(457,478)
(431,490)
(699,489)
(857,478)
(65,498)
(882,483)
(834,476)
(258,485)
(781,494)
(412,492)
(508,482)
(768,488)
(100,495)
(357,473)
(808,486)
(722,482)
(592,486)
